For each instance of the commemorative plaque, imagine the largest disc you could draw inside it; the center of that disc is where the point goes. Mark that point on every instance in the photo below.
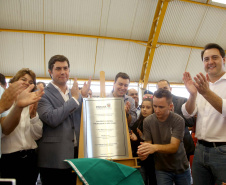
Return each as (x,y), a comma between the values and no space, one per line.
(104,128)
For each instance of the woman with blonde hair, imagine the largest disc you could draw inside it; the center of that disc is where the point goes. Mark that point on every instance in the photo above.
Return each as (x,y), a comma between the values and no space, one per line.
(19,159)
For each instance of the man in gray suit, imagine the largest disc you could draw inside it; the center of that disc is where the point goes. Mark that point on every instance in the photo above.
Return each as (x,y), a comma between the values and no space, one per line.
(177,104)
(60,111)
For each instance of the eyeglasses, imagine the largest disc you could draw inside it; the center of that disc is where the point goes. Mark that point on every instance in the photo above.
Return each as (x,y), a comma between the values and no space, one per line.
(134,94)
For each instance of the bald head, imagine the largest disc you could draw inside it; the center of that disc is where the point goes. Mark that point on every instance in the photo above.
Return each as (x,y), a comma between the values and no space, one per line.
(134,94)
(163,84)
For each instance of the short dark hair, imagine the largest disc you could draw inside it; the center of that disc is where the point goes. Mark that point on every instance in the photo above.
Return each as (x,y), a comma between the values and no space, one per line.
(162,93)
(122,75)
(211,46)
(57,58)
(163,80)
(2,79)
(44,85)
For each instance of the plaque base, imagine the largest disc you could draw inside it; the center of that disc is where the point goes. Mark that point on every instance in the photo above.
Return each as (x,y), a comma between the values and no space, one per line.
(132,162)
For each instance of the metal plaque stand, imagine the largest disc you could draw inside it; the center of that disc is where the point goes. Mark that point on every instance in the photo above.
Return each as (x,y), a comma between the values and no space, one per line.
(128,161)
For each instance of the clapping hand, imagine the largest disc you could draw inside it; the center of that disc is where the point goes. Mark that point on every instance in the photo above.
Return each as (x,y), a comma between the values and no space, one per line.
(26,97)
(85,88)
(201,83)
(189,84)
(133,136)
(75,89)
(9,96)
(127,107)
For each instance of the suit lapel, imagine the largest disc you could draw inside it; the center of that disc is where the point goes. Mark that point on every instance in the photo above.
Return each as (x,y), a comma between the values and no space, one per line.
(52,90)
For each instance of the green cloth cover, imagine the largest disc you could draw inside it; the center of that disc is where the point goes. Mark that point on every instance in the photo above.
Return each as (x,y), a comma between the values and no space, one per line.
(94,171)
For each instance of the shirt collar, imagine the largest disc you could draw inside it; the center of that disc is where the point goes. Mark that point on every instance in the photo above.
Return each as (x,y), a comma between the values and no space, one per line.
(124,96)
(220,79)
(66,92)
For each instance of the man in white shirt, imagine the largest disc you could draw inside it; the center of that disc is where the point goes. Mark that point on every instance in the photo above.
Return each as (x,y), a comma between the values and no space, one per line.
(60,111)
(208,99)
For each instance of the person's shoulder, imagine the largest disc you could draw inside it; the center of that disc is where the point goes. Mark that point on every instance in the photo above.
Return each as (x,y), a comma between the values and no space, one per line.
(179,98)
(1,91)
(129,98)
(49,88)
(176,116)
(150,117)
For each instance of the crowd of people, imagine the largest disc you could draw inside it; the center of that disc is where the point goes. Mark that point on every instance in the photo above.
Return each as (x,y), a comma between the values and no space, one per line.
(40,125)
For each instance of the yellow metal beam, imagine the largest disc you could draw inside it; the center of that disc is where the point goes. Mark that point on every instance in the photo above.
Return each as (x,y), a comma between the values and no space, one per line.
(183,46)
(204,4)
(178,45)
(110,38)
(151,35)
(72,34)
(154,42)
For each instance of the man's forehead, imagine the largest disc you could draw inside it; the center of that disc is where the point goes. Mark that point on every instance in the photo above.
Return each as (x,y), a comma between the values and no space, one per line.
(133,91)
(159,100)
(60,64)
(210,52)
(163,84)
(122,80)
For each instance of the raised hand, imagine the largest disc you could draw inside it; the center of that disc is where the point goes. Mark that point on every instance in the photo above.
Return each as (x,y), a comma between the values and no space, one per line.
(133,136)
(127,107)
(85,88)
(189,83)
(201,83)
(75,89)
(33,109)
(26,97)
(9,96)
(140,133)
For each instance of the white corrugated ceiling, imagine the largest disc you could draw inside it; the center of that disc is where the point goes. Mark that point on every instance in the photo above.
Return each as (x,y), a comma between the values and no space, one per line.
(185,23)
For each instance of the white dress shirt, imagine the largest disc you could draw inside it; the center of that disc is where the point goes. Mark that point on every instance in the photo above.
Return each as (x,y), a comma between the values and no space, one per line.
(210,124)
(4,114)
(24,135)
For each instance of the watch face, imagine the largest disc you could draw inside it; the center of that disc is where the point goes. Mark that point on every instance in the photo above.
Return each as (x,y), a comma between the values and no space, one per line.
(7,181)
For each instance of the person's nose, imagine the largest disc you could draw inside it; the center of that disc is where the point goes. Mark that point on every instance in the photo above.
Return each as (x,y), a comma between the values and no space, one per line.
(62,71)
(156,109)
(123,87)
(26,82)
(210,60)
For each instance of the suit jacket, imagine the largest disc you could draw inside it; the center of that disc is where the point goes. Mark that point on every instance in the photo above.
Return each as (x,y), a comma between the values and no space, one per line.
(188,141)
(60,121)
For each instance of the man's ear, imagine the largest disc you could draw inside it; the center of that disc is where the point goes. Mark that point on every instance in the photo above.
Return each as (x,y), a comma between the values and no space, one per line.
(224,61)
(50,73)
(171,106)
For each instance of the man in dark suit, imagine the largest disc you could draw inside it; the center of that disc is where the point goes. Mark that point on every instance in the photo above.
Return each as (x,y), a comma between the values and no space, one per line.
(177,104)
(60,111)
